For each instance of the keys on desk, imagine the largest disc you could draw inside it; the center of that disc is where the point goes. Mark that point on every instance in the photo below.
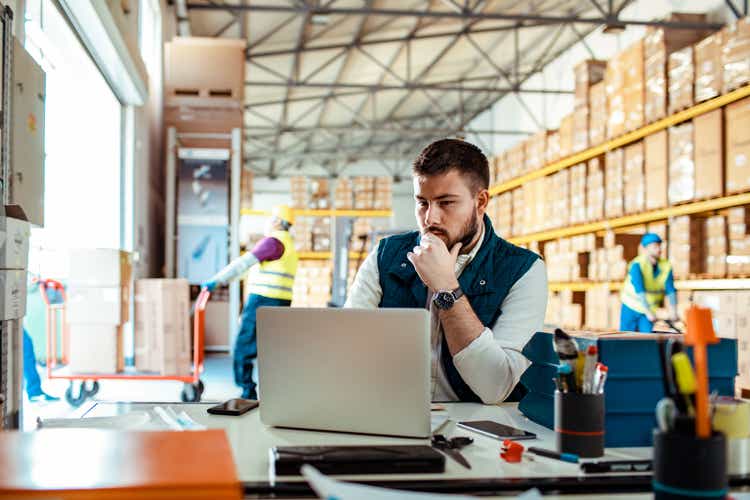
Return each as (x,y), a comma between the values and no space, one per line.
(452,447)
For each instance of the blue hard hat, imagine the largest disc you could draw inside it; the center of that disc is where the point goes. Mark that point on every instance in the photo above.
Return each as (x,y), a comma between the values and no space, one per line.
(649,238)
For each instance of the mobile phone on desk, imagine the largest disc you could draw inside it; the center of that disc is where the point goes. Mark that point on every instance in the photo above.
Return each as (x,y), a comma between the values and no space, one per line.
(496,430)
(234,407)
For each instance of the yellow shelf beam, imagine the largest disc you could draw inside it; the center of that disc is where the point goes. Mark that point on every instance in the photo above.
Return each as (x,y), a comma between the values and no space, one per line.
(696,284)
(626,139)
(325,213)
(637,219)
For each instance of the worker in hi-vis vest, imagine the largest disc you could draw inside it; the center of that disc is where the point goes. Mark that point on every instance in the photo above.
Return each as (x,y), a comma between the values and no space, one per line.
(271,284)
(649,279)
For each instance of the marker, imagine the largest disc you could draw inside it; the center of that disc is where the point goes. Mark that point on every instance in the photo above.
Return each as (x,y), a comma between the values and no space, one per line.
(603,370)
(565,457)
(580,365)
(618,466)
(589,369)
(685,378)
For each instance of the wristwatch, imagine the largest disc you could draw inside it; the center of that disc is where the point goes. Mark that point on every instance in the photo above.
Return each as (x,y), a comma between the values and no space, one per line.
(444,299)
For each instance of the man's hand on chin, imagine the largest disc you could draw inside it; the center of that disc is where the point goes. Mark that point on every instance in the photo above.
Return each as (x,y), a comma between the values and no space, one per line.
(434,264)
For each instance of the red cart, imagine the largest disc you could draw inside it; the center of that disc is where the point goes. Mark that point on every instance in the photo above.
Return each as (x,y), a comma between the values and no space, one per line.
(192,389)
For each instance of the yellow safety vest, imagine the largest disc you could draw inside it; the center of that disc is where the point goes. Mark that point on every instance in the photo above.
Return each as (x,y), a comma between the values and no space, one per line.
(275,278)
(654,286)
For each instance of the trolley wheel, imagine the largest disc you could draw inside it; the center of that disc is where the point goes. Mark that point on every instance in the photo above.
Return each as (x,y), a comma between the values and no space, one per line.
(191,393)
(76,400)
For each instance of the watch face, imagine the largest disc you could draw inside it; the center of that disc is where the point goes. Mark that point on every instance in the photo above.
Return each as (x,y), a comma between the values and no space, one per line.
(444,300)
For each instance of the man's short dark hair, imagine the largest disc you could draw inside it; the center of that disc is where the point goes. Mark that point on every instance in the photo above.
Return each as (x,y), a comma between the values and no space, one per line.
(447,154)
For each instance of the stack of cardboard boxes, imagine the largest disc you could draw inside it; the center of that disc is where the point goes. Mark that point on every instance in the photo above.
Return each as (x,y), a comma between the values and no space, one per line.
(321,234)
(657,166)
(566,309)
(98,305)
(614,183)
(578,194)
(557,197)
(319,194)
(716,246)
(738,260)
(602,308)
(298,189)
(553,146)
(535,152)
(503,220)
(736,55)
(686,245)
(587,74)
(681,76)
(515,160)
(162,327)
(634,182)
(681,164)
(566,136)
(383,193)
(312,285)
(302,234)
(615,85)
(343,198)
(709,72)
(737,117)
(518,212)
(709,155)
(598,113)
(364,192)
(609,262)
(595,190)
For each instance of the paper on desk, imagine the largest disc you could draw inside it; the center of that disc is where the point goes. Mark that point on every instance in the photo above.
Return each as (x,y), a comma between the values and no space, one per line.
(133,420)
(331,489)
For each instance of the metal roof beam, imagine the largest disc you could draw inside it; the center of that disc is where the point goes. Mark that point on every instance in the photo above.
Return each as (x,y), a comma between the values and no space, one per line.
(465,15)
(382,129)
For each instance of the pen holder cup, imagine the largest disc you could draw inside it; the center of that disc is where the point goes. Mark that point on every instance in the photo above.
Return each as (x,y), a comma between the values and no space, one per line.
(579,423)
(688,467)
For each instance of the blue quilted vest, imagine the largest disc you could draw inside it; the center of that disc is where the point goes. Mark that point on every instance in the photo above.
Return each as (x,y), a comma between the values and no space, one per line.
(486,281)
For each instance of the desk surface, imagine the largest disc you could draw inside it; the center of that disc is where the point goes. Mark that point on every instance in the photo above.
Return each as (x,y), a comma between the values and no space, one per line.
(250,441)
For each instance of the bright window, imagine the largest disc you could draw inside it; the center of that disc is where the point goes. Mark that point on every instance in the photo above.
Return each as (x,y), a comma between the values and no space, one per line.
(83,137)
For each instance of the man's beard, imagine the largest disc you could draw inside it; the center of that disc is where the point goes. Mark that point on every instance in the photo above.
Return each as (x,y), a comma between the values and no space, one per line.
(467,235)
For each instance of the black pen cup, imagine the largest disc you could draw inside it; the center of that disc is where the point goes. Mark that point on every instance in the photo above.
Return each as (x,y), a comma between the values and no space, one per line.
(579,423)
(688,467)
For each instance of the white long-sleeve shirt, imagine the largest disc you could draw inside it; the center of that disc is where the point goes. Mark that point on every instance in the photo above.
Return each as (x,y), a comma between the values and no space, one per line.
(493,363)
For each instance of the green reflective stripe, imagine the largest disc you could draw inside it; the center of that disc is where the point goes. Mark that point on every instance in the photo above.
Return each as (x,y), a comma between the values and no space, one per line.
(275,287)
(276,273)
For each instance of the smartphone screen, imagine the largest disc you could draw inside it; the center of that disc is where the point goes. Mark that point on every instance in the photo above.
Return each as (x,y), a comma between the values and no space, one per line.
(496,430)
(234,407)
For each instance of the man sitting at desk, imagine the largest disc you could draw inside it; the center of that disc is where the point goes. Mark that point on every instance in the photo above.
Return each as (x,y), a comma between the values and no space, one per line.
(486,296)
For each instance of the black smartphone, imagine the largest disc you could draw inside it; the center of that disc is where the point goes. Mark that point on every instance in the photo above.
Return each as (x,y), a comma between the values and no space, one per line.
(497,431)
(234,407)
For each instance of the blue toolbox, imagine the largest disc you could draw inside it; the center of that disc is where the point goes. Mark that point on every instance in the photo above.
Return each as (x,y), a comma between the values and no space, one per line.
(634,381)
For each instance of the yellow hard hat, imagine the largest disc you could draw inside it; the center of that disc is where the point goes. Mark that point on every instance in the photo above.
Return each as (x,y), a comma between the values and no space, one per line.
(284,213)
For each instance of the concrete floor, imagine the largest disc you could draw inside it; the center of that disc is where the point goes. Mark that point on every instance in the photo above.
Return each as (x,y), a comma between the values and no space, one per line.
(217,378)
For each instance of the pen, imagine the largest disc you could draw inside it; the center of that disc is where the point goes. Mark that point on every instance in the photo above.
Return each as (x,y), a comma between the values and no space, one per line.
(589,369)
(565,457)
(618,466)
(603,370)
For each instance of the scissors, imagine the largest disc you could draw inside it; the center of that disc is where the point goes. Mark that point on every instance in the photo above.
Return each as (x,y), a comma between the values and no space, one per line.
(452,447)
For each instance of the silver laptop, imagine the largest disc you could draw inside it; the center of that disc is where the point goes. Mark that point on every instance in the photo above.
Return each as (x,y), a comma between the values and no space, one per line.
(348,370)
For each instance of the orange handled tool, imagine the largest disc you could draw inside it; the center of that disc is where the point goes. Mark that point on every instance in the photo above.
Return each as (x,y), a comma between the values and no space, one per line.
(700,333)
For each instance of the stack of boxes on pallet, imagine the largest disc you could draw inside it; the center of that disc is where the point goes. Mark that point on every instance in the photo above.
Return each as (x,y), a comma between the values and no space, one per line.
(738,260)
(99,286)
(162,327)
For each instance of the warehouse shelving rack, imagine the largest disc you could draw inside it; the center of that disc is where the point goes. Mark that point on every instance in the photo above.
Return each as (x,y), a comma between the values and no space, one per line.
(690,284)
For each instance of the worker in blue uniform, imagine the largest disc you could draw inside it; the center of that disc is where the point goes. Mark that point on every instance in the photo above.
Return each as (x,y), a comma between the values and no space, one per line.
(649,279)
(273,266)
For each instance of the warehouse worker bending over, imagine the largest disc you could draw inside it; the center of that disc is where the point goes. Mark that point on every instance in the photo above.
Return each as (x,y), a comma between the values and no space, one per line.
(649,278)
(271,285)
(486,296)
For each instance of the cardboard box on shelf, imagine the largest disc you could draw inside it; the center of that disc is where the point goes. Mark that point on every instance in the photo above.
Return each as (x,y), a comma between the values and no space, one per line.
(578,193)
(517,228)
(553,146)
(595,190)
(95,348)
(598,114)
(615,83)
(587,73)
(686,245)
(681,164)
(515,160)
(681,78)
(709,154)
(656,167)
(634,181)
(566,136)
(99,305)
(709,72)
(716,246)
(613,183)
(536,151)
(162,326)
(92,267)
(735,56)
(580,129)
(633,86)
(737,137)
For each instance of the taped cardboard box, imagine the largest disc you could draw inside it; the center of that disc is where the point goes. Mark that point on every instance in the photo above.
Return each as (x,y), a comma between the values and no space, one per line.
(587,73)
(737,116)
(681,164)
(613,183)
(681,78)
(598,114)
(95,267)
(709,72)
(100,305)
(736,55)
(95,348)
(709,154)
(656,167)
(633,90)
(634,182)
(578,193)
(614,84)
(162,326)
(595,190)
